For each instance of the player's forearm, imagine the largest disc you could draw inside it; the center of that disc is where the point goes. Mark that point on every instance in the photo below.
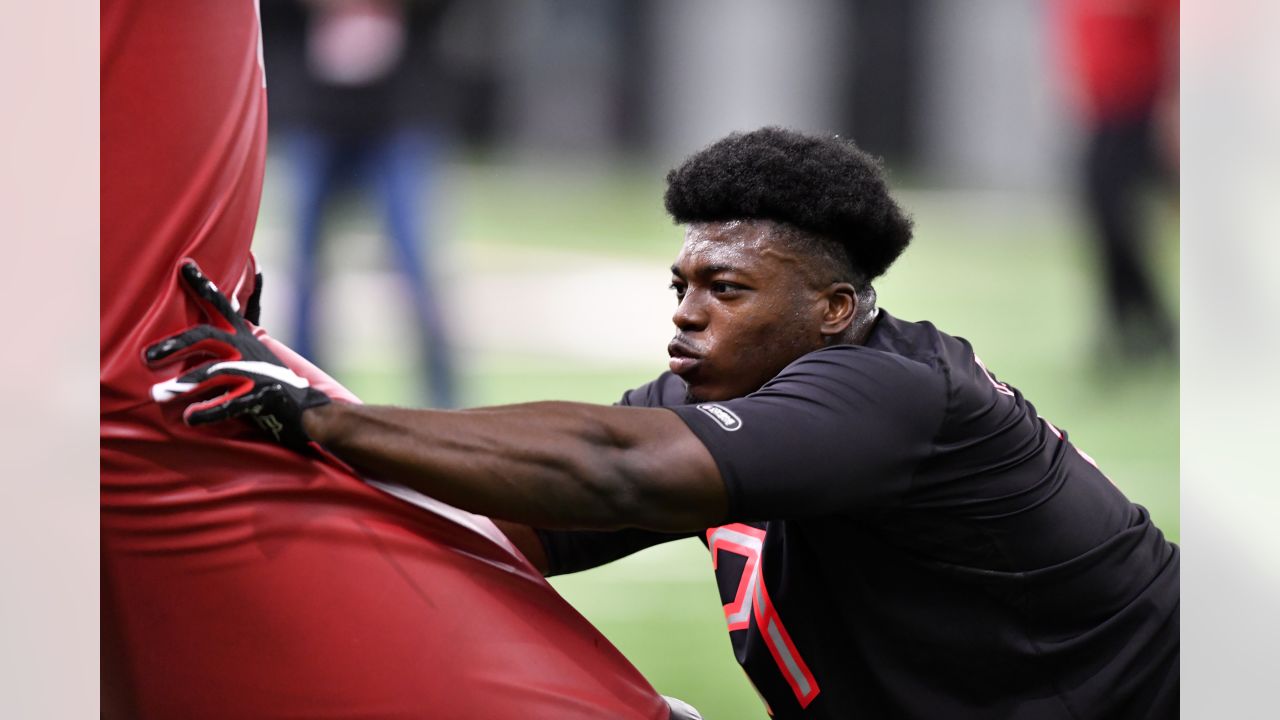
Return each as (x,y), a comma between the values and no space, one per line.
(554,465)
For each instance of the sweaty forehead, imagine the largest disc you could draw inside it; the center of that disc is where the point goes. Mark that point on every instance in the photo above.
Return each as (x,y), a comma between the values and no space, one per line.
(748,246)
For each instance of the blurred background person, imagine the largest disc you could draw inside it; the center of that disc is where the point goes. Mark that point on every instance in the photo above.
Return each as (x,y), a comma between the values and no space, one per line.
(358,97)
(1122,59)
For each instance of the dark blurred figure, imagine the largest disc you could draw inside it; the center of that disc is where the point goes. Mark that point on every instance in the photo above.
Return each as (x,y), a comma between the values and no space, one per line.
(1123,57)
(358,94)
(883,99)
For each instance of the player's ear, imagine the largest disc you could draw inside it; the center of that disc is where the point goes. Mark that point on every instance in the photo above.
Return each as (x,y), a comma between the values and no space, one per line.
(840,307)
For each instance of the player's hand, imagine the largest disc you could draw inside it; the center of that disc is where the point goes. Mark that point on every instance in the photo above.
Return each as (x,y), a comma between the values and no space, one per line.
(250,380)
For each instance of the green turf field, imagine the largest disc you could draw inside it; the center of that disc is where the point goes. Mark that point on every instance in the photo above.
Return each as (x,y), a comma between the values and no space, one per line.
(1009,274)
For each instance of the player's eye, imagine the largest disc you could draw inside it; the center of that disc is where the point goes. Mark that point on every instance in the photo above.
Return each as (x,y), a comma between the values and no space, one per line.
(720,287)
(679,288)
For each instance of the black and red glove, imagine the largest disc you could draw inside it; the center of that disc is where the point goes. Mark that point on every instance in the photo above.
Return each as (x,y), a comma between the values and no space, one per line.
(249,379)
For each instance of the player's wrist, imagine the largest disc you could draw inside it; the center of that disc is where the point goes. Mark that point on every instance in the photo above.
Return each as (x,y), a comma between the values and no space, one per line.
(320,422)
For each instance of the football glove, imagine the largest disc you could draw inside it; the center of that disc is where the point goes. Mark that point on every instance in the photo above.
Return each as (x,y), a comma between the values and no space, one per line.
(250,380)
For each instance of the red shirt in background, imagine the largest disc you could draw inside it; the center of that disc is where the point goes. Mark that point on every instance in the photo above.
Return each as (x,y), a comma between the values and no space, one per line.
(1122,54)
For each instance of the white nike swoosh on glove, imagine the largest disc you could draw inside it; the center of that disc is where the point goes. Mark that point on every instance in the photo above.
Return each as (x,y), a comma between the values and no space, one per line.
(169,389)
(172,388)
(258,367)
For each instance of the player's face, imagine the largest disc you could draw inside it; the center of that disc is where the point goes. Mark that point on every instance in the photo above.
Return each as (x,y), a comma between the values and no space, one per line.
(747,308)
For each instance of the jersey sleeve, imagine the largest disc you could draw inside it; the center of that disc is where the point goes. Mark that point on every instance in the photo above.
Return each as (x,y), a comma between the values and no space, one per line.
(840,430)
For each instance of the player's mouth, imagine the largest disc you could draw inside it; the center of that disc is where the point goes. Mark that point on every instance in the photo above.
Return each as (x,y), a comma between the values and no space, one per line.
(685,358)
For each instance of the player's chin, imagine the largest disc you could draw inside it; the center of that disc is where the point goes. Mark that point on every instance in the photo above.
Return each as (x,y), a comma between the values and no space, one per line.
(707,383)
(693,392)
(705,386)
(700,391)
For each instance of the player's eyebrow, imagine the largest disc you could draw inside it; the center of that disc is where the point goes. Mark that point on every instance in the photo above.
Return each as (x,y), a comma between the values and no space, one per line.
(709,270)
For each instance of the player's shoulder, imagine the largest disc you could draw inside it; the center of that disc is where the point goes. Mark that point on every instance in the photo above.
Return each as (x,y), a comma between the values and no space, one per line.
(856,374)
(666,390)
(951,357)
(899,360)
(920,341)
(894,346)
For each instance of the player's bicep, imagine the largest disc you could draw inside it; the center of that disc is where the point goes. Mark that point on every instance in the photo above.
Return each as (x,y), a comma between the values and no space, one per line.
(671,482)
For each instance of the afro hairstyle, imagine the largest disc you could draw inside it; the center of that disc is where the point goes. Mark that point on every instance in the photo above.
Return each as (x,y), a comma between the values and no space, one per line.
(822,185)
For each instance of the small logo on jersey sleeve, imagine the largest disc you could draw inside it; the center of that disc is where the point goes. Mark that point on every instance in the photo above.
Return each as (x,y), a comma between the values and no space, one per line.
(722,415)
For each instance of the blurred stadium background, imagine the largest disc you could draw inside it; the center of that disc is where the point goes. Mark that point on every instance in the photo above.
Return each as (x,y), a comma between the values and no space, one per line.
(552,246)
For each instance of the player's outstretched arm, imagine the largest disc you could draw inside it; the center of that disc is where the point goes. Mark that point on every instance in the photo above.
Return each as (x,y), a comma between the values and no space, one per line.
(552,465)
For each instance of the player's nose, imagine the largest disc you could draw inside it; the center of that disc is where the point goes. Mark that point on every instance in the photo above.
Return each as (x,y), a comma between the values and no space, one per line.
(690,315)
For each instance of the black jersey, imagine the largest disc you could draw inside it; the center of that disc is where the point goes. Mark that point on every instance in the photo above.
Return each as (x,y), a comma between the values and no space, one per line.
(907,538)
